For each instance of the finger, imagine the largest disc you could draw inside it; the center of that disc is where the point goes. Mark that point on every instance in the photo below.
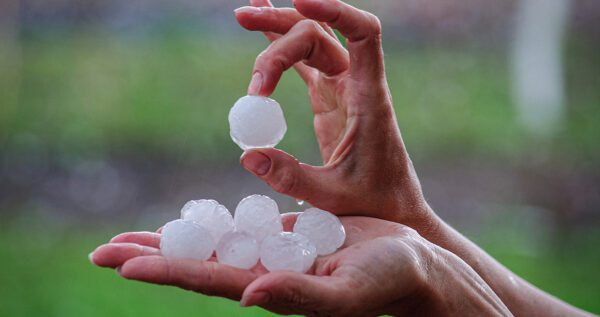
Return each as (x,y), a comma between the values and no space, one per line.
(273,20)
(115,254)
(307,42)
(289,220)
(305,72)
(267,3)
(208,278)
(361,28)
(149,239)
(286,175)
(261,3)
(289,292)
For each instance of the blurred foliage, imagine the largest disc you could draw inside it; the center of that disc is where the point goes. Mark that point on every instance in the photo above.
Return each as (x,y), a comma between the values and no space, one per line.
(94,94)
(91,93)
(567,271)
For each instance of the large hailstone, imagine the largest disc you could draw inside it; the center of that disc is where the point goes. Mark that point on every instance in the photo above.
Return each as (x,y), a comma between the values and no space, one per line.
(209,214)
(256,122)
(238,249)
(287,251)
(259,216)
(186,239)
(323,229)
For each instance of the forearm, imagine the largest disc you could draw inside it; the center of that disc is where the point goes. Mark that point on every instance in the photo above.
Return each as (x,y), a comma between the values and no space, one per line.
(522,298)
(459,290)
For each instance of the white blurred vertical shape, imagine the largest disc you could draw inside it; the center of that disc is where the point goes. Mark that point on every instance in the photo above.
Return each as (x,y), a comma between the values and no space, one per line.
(537,64)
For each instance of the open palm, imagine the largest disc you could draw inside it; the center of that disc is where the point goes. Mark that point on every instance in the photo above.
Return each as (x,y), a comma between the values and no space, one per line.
(374,251)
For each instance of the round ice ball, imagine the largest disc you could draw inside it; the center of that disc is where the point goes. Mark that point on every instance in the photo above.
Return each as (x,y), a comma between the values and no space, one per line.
(322,228)
(287,251)
(259,216)
(186,239)
(208,213)
(256,122)
(238,249)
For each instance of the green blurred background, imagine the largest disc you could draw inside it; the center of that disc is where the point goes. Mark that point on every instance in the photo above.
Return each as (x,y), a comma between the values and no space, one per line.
(113,114)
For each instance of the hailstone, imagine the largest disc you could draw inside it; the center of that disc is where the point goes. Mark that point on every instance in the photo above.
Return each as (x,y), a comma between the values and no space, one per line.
(259,216)
(209,214)
(322,228)
(186,239)
(287,251)
(238,249)
(256,122)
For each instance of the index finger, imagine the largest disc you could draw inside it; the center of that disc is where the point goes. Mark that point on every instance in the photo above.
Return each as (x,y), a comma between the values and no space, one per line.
(361,28)
(204,277)
(291,17)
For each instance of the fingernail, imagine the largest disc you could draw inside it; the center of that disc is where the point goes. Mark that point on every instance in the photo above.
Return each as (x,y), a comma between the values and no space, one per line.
(256,162)
(255,84)
(248,10)
(255,299)
(91,256)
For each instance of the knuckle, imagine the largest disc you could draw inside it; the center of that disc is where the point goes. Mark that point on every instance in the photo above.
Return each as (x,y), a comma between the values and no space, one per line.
(260,58)
(204,282)
(271,60)
(307,26)
(296,299)
(374,23)
(285,181)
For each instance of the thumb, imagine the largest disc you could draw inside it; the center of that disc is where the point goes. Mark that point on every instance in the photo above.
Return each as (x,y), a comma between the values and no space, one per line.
(293,293)
(286,175)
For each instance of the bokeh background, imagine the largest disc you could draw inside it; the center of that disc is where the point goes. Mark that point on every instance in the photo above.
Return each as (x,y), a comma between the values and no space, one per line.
(114,113)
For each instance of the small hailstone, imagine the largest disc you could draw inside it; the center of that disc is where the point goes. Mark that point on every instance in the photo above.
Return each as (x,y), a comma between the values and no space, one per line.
(256,122)
(238,249)
(186,239)
(287,251)
(209,214)
(259,216)
(323,229)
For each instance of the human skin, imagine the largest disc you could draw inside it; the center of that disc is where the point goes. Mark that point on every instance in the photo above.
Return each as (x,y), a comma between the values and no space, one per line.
(366,168)
(382,268)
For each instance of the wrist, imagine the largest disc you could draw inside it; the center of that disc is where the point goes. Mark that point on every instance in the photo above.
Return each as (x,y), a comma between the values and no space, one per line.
(423,219)
(453,288)
(425,297)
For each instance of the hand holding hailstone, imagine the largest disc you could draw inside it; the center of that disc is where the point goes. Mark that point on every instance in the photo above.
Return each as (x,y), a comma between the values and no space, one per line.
(398,257)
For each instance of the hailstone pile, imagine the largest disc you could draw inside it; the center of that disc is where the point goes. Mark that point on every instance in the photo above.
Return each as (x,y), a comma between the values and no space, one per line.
(206,228)
(256,122)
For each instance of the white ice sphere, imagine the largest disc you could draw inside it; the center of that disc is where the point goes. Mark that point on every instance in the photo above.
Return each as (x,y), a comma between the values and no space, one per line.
(259,216)
(287,251)
(323,229)
(209,214)
(186,239)
(238,249)
(256,122)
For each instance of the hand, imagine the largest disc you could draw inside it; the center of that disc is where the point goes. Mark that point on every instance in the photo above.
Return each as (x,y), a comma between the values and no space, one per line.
(383,268)
(367,170)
